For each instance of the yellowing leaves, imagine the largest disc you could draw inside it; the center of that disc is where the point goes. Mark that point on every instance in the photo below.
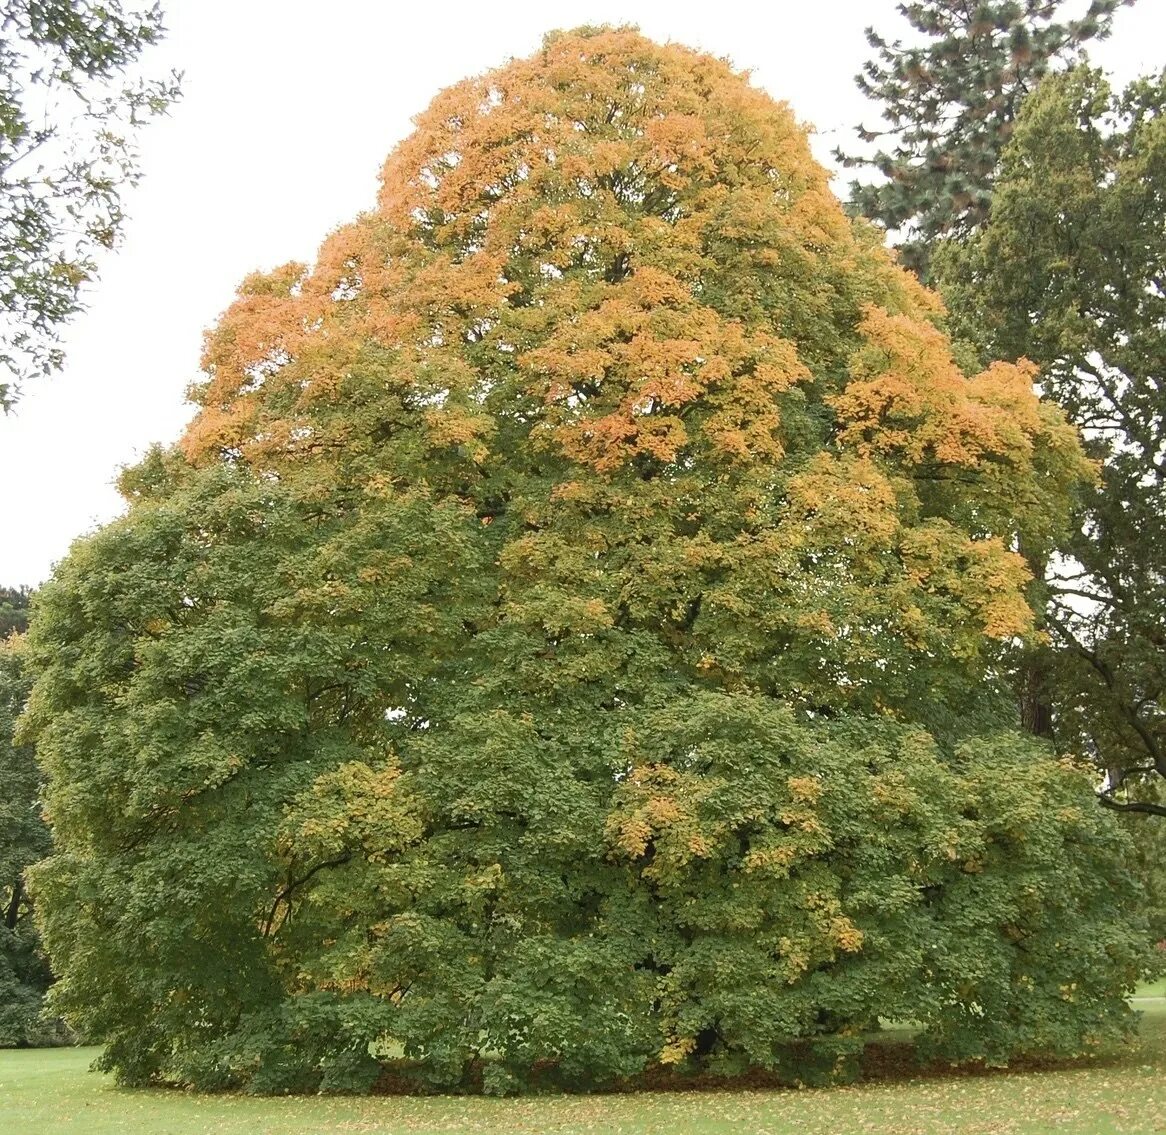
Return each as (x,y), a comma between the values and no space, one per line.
(661,807)
(679,144)
(356,806)
(615,376)
(846,500)
(776,860)
(908,399)
(846,936)
(984,576)
(678,1050)
(805,789)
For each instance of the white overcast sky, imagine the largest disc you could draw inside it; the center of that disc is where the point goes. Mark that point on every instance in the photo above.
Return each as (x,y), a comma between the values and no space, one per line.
(289,109)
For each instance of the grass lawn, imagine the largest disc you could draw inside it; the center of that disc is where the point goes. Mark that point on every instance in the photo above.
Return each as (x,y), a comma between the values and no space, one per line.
(50,1091)
(1150,990)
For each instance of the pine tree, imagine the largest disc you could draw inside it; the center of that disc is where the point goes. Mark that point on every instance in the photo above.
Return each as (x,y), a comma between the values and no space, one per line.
(949,103)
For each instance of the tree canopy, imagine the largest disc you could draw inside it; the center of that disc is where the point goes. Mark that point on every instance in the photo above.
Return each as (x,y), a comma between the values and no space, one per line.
(1068,271)
(949,100)
(24,839)
(70,105)
(562,645)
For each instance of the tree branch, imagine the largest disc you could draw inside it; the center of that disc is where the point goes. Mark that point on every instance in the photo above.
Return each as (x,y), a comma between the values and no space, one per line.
(1131,805)
(295,884)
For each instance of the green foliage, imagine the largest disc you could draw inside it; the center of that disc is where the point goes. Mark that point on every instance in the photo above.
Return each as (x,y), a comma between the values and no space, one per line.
(1148,862)
(557,651)
(1068,271)
(24,979)
(24,839)
(950,103)
(64,62)
(14,603)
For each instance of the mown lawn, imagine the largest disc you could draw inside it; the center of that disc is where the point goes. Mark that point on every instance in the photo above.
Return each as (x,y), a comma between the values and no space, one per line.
(47,1092)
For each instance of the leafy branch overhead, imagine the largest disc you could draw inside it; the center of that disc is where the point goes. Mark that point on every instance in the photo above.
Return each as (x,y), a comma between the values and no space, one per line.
(72,100)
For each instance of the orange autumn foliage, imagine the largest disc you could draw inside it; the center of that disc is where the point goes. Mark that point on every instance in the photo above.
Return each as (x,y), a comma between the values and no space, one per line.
(618,260)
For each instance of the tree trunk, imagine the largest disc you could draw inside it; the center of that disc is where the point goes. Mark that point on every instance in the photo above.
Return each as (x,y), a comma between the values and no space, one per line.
(13,911)
(1036,710)
(1034,681)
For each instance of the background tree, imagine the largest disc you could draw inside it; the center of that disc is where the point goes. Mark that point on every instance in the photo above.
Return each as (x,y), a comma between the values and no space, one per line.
(562,643)
(24,839)
(14,604)
(949,103)
(1068,271)
(70,105)
(952,105)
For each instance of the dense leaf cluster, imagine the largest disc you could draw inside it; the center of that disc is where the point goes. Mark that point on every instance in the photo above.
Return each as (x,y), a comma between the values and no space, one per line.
(562,645)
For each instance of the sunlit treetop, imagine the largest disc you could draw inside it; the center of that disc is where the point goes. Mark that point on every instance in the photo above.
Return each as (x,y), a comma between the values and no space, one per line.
(613,277)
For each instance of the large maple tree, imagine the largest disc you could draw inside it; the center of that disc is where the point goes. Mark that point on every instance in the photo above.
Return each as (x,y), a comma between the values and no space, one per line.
(562,644)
